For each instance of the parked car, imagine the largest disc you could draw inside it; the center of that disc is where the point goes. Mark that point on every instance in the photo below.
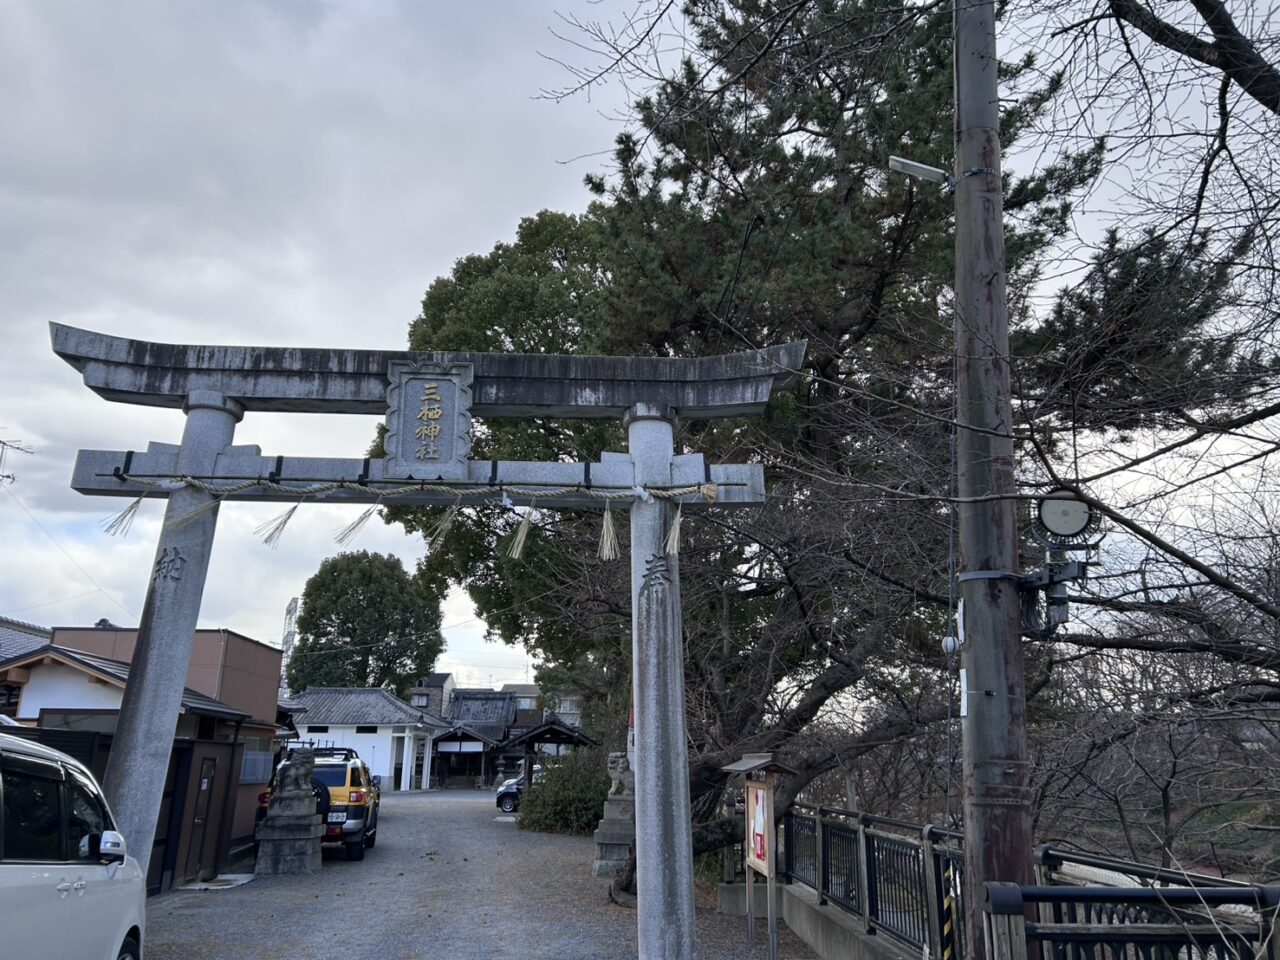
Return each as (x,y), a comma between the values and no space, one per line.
(537,777)
(347,796)
(508,799)
(68,888)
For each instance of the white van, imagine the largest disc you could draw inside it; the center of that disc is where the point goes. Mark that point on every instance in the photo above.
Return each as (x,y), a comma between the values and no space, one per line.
(68,891)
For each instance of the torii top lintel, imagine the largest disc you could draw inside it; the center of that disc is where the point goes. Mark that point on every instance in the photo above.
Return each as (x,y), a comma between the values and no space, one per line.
(322,380)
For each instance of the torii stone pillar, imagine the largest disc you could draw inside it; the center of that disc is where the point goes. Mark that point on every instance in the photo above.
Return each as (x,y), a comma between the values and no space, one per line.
(428,400)
(166,633)
(664,845)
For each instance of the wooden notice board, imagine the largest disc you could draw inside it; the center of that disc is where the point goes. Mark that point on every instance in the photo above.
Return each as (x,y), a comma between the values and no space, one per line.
(760,845)
(758,772)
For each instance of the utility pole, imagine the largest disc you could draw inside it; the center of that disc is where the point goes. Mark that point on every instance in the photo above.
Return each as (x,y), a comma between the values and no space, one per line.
(997,807)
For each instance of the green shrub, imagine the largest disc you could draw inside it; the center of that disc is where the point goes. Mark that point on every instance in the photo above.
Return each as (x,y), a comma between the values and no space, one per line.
(570,798)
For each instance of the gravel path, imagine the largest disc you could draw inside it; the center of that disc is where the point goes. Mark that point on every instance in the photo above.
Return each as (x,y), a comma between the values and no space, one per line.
(450,879)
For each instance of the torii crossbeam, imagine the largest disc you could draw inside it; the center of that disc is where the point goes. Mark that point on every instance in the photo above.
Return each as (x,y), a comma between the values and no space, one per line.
(428,400)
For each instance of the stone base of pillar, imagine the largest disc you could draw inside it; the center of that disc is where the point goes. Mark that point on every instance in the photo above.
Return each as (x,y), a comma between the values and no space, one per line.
(615,837)
(289,836)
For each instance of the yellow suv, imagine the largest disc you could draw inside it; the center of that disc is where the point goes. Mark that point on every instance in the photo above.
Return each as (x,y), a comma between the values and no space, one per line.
(347,799)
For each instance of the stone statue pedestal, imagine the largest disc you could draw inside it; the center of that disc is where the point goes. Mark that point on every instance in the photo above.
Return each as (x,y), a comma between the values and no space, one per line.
(290,834)
(615,836)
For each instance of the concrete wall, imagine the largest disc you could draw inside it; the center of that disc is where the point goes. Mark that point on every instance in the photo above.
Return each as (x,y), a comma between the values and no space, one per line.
(57,686)
(246,811)
(830,932)
(112,644)
(250,677)
(205,672)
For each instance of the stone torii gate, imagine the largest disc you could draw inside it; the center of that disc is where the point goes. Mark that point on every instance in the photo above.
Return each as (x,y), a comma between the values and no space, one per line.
(428,400)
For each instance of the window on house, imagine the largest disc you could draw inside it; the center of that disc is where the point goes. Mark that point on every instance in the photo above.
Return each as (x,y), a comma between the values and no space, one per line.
(318,728)
(371,728)
(255,763)
(10,694)
(418,700)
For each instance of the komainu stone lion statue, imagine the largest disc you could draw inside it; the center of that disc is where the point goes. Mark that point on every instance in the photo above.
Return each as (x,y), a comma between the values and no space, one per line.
(295,775)
(623,777)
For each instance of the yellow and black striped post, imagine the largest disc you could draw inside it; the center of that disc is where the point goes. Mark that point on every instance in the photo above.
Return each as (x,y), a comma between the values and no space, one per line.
(948,912)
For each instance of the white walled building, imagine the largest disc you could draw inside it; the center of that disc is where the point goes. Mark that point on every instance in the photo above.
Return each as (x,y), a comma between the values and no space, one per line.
(393,738)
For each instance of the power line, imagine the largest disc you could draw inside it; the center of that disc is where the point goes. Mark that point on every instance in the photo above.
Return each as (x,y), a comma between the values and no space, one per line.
(75,563)
(50,603)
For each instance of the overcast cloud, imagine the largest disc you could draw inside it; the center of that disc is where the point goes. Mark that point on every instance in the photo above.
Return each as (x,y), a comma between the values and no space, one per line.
(283,173)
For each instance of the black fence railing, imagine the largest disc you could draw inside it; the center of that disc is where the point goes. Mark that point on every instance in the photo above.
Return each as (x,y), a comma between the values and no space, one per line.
(802,851)
(901,878)
(1131,923)
(906,880)
(896,888)
(842,861)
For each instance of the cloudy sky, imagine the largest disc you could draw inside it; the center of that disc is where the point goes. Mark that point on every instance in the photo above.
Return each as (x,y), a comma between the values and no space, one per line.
(290,172)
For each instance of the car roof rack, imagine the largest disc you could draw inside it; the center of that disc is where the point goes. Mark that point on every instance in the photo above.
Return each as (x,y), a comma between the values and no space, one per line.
(329,753)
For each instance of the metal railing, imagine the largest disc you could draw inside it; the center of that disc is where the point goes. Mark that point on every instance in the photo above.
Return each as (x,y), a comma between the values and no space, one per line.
(1130,923)
(1055,866)
(906,880)
(901,878)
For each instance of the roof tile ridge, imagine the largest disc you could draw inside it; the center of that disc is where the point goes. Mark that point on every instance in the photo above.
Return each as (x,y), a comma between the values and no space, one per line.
(42,631)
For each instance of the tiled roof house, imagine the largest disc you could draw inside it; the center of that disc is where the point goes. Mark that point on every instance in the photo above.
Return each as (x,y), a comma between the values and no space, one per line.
(391,736)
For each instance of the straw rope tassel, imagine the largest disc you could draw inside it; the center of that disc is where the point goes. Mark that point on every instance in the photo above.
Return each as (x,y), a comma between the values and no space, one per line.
(122,521)
(673,537)
(177,523)
(437,533)
(608,535)
(515,550)
(273,529)
(348,533)
(709,491)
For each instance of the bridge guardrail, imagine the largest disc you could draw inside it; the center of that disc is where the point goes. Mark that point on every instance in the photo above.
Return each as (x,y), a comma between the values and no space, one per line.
(1130,923)
(906,880)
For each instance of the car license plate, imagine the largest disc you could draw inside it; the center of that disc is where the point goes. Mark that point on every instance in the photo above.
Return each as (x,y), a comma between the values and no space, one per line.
(337,817)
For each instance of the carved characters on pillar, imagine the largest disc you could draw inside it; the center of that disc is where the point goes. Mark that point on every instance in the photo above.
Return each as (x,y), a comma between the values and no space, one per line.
(169,565)
(658,613)
(428,420)
(656,574)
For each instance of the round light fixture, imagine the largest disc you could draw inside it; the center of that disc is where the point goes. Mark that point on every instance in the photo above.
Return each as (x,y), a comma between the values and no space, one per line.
(1064,520)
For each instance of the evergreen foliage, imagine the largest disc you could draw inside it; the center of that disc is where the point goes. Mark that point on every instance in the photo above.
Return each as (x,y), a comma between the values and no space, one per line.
(1139,342)
(739,215)
(570,797)
(751,205)
(364,623)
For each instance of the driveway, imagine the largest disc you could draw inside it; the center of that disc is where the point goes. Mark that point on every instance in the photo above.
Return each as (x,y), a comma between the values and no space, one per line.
(450,878)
